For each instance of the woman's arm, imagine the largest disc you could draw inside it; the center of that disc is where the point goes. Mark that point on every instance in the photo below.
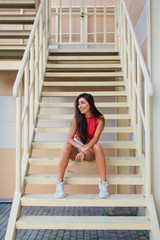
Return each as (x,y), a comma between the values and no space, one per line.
(97,133)
(72,133)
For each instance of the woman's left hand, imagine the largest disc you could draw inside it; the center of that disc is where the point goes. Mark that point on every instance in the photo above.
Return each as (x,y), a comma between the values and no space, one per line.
(79,157)
(85,149)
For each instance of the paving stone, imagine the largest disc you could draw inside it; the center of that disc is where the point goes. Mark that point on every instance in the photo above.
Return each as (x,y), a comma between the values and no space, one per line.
(65,234)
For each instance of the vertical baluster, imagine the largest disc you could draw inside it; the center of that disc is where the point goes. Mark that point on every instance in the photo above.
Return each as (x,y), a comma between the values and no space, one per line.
(32,82)
(104,21)
(86,28)
(41,50)
(129,67)
(124,47)
(115,24)
(45,30)
(49,19)
(139,127)
(57,24)
(148,142)
(37,66)
(70,21)
(26,103)
(18,138)
(60,30)
(121,32)
(134,105)
(95,23)
(82,26)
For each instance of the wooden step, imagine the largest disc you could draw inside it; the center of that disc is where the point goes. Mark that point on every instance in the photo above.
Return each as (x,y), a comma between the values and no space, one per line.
(83,74)
(84,200)
(17,4)
(75,94)
(54,161)
(14,34)
(71,105)
(84,58)
(70,116)
(9,65)
(17,19)
(83,84)
(66,130)
(12,51)
(83,222)
(82,51)
(105,145)
(131,179)
(84,66)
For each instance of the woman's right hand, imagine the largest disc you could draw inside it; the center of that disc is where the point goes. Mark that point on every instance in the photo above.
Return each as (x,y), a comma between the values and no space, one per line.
(79,157)
(85,149)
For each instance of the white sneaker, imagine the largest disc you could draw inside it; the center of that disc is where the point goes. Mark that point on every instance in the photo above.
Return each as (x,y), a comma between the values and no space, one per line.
(60,193)
(103,187)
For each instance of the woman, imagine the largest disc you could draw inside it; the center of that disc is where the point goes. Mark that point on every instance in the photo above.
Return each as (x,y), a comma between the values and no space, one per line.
(85,130)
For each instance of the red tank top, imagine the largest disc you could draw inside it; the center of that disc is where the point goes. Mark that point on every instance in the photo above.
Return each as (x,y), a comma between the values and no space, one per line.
(91,126)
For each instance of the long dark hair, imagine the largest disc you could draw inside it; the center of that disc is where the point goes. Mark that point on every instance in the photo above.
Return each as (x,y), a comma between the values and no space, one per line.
(80,118)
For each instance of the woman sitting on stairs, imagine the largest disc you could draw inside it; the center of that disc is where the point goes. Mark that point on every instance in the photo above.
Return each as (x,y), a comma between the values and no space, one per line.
(82,142)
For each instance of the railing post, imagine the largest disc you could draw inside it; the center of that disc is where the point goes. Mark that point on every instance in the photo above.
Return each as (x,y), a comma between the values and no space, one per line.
(148,142)
(32,84)
(129,66)
(116,23)
(41,49)
(37,66)
(134,106)
(18,138)
(26,103)
(139,130)
(49,20)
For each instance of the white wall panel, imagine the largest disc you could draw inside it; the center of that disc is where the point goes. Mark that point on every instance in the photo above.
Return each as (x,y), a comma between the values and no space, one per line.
(141,27)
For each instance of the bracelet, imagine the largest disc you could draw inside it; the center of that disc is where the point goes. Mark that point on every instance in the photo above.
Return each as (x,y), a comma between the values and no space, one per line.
(80,146)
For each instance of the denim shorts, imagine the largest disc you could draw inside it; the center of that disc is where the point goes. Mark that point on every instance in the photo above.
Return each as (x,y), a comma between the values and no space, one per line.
(76,140)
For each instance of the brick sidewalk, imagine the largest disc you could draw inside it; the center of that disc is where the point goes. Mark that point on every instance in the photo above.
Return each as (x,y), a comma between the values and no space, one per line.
(64,234)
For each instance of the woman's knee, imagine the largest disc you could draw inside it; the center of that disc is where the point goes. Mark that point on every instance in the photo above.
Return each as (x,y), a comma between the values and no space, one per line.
(67,147)
(97,147)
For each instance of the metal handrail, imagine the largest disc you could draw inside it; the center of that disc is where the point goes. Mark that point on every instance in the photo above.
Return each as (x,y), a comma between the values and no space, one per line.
(138,52)
(27,51)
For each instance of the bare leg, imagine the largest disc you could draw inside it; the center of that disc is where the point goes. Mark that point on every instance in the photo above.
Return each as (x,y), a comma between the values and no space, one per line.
(67,152)
(100,161)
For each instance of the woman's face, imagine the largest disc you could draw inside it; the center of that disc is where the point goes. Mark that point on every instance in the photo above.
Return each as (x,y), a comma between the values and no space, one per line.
(84,106)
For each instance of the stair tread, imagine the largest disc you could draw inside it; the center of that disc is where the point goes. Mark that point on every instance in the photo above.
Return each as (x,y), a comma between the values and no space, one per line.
(70,105)
(84,66)
(70,116)
(105,145)
(14,33)
(84,74)
(17,18)
(89,200)
(82,222)
(82,58)
(53,161)
(119,179)
(66,129)
(99,83)
(74,94)
(83,50)
(17,4)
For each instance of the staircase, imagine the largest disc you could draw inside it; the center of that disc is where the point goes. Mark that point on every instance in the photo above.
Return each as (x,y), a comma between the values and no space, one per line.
(16,20)
(68,73)
(50,87)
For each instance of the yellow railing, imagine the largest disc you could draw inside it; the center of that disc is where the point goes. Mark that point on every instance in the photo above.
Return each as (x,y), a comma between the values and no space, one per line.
(139,89)
(31,73)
